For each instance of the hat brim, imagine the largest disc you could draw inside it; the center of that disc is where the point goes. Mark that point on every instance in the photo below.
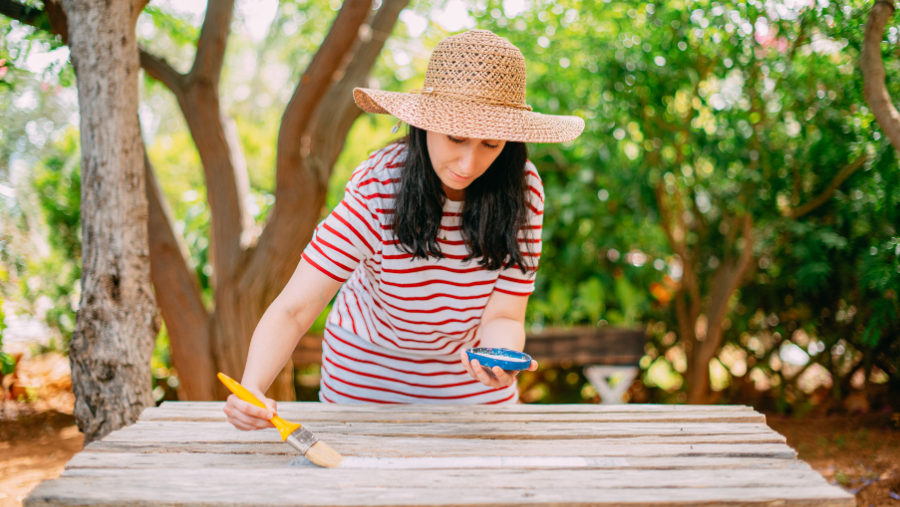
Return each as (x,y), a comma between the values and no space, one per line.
(462,118)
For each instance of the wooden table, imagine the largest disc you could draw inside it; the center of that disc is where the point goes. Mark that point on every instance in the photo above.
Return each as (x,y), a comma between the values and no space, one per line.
(187,454)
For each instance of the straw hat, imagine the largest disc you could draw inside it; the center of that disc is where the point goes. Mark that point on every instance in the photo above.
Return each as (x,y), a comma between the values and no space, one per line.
(474,87)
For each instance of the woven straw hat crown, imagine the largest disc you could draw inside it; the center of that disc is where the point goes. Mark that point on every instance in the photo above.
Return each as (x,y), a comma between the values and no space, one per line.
(474,87)
(478,66)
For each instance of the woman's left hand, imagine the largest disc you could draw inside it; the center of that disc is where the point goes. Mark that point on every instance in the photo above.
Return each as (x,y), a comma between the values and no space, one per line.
(500,378)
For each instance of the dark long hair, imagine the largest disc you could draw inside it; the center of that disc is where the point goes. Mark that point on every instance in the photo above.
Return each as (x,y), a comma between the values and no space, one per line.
(494,211)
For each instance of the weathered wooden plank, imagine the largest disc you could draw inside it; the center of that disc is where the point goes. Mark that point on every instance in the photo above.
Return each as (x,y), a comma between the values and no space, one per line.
(73,495)
(332,488)
(180,431)
(527,479)
(270,436)
(207,414)
(487,409)
(167,460)
(357,445)
(354,441)
(573,455)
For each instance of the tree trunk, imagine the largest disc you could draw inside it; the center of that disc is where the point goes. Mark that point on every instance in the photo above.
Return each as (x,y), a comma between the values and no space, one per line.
(705,347)
(342,62)
(178,295)
(872,68)
(116,326)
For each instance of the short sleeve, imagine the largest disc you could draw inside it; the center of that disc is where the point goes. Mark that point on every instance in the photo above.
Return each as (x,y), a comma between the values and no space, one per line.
(511,280)
(348,235)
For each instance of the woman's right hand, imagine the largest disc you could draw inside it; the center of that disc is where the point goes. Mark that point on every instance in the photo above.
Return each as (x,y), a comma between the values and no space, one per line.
(247,416)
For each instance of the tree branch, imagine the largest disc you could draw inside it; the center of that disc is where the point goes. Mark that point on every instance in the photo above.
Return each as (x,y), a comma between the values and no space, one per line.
(200,106)
(688,285)
(313,85)
(296,212)
(666,218)
(160,70)
(199,103)
(872,67)
(224,171)
(213,41)
(364,58)
(139,6)
(826,194)
(24,13)
(726,280)
(337,111)
(241,177)
(178,296)
(52,19)
(728,277)
(46,19)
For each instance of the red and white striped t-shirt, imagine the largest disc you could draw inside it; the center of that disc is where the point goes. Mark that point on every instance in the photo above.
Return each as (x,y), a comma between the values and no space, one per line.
(398,323)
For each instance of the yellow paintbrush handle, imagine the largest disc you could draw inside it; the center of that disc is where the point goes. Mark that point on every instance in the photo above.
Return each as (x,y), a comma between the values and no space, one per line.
(285,428)
(240,391)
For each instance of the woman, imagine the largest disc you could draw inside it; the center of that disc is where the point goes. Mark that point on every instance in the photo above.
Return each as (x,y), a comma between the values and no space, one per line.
(436,243)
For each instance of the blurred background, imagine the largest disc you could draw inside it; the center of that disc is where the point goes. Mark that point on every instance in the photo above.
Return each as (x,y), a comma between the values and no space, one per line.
(697,113)
(713,129)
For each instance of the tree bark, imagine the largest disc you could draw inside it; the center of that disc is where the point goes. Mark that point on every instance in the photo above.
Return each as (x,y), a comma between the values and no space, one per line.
(301,185)
(178,295)
(690,303)
(872,67)
(199,102)
(240,305)
(725,281)
(300,191)
(116,325)
(194,334)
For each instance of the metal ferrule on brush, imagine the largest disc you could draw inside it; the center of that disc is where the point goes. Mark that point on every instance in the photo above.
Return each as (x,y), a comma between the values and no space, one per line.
(302,439)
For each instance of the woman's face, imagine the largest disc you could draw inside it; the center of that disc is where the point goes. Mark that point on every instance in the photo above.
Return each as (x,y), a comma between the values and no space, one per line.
(458,161)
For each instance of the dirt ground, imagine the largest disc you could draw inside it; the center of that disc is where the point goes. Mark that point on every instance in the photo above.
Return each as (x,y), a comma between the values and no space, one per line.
(34,447)
(860,453)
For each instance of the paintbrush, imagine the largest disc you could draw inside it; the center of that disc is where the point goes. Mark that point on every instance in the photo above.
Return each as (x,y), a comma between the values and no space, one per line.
(298,437)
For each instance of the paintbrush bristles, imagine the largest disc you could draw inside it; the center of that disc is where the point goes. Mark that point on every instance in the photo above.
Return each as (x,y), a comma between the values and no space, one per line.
(323,455)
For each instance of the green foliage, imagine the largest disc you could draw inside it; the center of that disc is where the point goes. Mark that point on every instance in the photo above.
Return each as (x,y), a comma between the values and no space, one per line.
(558,384)
(39,254)
(591,300)
(165,379)
(630,300)
(57,276)
(57,180)
(177,29)
(17,41)
(698,113)
(7,361)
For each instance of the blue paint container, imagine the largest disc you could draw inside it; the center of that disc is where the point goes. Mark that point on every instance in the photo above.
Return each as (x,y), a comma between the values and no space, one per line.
(509,360)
